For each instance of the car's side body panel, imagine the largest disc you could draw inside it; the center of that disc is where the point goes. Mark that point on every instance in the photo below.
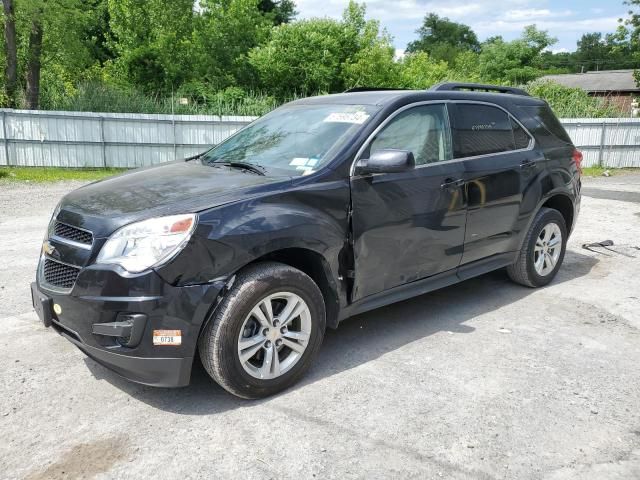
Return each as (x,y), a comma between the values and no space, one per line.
(311,216)
(406,226)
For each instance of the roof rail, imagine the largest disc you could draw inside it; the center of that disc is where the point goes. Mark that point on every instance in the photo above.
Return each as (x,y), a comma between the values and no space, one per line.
(371,89)
(477,87)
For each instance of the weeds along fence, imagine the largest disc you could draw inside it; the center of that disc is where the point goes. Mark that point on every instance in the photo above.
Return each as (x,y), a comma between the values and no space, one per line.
(125,140)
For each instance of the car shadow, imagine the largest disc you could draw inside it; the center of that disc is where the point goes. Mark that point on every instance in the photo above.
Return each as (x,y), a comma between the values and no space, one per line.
(360,339)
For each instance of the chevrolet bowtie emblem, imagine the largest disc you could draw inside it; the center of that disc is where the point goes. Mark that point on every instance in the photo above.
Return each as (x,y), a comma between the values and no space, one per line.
(48,248)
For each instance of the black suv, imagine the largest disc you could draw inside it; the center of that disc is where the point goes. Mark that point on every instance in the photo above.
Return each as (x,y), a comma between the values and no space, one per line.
(325,208)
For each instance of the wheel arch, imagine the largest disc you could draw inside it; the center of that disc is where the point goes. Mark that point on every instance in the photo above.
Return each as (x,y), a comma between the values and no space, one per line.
(308,261)
(563,204)
(559,201)
(317,268)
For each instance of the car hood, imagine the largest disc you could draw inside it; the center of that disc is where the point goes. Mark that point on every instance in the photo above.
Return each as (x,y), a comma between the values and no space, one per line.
(172,188)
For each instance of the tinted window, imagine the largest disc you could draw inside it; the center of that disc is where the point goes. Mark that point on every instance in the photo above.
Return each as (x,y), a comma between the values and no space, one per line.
(423,130)
(480,130)
(520,137)
(548,121)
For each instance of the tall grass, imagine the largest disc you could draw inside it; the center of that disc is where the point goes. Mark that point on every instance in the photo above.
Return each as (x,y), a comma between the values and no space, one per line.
(569,102)
(100,97)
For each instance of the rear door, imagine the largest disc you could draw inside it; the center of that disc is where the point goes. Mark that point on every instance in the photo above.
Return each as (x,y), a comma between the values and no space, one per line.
(410,225)
(500,166)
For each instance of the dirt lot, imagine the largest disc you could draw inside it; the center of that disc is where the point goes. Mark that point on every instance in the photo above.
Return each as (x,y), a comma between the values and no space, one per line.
(484,379)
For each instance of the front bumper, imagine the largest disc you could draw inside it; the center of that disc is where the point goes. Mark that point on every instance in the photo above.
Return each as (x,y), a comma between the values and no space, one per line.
(157,372)
(103,294)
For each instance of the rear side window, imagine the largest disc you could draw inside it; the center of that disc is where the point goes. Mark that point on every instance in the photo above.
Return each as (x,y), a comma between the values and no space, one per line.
(520,137)
(545,117)
(483,129)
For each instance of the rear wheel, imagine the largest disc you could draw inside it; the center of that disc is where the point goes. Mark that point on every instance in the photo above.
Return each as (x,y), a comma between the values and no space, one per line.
(543,250)
(266,332)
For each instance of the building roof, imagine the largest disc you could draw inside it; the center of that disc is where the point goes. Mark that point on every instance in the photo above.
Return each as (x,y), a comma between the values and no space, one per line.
(602,81)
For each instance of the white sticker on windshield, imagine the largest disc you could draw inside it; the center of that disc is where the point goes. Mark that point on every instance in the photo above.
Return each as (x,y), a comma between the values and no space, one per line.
(305,170)
(357,118)
(303,162)
(299,162)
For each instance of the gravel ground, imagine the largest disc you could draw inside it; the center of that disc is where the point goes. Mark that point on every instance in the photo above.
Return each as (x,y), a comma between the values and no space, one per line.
(484,379)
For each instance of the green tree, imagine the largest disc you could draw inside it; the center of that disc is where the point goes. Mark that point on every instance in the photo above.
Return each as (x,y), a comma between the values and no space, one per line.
(280,12)
(592,49)
(443,39)
(517,61)
(11,52)
(152,40)
(301,58)
(41,37)
(466,68)
(630,28)
(372,63)
(225,32)
(325,55)
(420,71)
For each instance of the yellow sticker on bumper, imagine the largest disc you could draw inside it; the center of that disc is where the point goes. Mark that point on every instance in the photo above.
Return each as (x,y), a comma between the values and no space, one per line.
(167,337)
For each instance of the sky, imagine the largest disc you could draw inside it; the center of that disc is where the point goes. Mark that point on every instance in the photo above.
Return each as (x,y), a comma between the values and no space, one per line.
(566,20)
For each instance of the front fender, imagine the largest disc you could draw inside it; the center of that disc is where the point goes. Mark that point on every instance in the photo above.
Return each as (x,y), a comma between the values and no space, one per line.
(229,237)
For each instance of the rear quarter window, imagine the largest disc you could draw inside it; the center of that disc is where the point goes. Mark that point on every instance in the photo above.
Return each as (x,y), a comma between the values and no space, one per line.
(546,128)
(520,137)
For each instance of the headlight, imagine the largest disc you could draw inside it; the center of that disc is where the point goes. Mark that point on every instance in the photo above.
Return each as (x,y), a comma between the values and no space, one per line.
(52,221)
(142,245)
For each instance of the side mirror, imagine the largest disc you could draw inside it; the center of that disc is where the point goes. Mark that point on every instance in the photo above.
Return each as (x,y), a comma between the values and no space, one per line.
(386,161)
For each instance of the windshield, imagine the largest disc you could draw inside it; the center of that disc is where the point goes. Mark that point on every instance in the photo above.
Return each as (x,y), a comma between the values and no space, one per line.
(292,140)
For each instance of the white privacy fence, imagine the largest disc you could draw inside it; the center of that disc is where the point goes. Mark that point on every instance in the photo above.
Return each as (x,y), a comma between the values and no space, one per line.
(78,139)
(606,142)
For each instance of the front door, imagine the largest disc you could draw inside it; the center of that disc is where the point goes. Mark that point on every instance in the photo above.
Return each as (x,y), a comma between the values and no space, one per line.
(408,226)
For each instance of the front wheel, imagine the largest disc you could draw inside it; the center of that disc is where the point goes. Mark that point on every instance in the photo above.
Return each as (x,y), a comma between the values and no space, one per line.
(543,250)
(266,332)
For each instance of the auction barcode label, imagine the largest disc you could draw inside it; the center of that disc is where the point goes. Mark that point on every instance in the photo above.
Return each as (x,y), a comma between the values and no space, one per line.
(167,337)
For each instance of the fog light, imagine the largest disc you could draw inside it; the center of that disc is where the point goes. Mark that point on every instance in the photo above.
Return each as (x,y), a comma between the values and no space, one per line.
(127,329)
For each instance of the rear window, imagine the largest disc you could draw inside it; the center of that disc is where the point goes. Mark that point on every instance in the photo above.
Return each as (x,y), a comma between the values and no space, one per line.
(483,129)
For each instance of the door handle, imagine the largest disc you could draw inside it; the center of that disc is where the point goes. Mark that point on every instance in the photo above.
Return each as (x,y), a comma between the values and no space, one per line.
(450,183)
(528,164)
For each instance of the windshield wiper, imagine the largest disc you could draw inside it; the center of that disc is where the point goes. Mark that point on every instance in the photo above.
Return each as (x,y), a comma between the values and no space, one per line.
(259,169)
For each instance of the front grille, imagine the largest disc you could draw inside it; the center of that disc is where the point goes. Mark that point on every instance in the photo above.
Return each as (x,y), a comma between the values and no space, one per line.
(58,274)
(72,233)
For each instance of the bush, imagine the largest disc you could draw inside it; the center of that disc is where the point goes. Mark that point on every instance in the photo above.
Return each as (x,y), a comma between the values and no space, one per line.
(418,70)
(96,96)
(572,102)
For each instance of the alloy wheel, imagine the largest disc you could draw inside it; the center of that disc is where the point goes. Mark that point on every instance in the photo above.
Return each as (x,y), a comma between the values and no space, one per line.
(547,249)
(274,335)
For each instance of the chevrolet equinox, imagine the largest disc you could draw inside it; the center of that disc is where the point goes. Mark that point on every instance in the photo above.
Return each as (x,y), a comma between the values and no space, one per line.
(325,208)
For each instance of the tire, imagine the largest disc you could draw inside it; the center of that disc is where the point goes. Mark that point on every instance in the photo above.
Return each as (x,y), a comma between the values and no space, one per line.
(525,271)
(241,319)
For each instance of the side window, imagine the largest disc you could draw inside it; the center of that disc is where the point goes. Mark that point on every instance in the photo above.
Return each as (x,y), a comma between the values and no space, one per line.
(481,130)
(422,130)
(520,137)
